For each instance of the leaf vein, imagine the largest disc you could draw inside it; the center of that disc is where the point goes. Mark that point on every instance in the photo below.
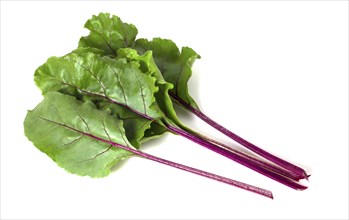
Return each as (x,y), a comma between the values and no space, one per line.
(119,81)
(71,142)
(104,97)
(84,121)
(142,91)
(178,78)
(97,155)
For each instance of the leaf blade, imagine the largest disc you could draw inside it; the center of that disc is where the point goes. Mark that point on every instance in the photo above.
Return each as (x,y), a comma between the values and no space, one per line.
(69,140)
(175,66)
(102,77)
(87,75)
(108,33)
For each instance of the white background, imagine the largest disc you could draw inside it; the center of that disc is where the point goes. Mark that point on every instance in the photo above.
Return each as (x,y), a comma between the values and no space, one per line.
(274,72)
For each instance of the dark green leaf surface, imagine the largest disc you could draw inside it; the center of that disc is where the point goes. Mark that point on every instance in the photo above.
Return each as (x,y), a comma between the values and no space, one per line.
(108,33)
(149,67)
(174,65)
(67,131)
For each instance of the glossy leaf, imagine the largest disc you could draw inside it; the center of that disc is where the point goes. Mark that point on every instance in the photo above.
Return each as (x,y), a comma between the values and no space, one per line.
(67,130)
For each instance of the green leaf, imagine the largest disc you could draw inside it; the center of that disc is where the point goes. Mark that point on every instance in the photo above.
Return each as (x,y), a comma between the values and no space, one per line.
(89,74)
(117,85)
(155,131)
(138,129)
(149,67)
(108,33)
(71,133)
(174,65)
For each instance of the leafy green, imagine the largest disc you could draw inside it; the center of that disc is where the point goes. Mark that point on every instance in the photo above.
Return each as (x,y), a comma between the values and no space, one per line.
(120,96)
(138,129)
(68,131)
(174,65)
(108,33)
(115,80)
(149,67)
(89,142)
(89,76)
(115,84)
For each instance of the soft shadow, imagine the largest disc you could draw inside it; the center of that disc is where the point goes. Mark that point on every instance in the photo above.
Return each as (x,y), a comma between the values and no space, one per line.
(194,83)
(118,166)
(155,142)
(183,114)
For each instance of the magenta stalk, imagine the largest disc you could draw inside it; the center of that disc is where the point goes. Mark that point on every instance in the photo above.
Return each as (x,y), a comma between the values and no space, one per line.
(282,163)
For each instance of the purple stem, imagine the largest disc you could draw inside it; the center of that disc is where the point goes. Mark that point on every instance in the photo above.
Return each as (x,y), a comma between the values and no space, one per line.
(232,182)
(240,159)
(269,166)
(286,165)
(245,160)
(251,162)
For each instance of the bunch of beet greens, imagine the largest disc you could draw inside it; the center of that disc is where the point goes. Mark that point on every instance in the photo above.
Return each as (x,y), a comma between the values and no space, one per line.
(115,92)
